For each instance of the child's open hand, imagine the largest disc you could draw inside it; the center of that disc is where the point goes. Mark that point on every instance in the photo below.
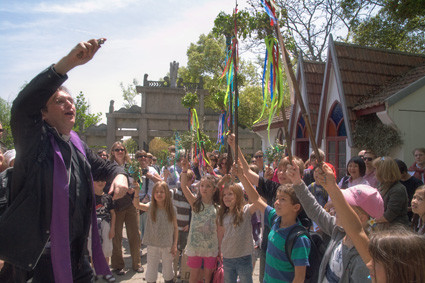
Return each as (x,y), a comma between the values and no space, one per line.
(293,173)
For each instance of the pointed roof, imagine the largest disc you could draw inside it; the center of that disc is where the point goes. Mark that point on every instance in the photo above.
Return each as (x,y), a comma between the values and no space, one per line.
(361,72)
(310,74)
(414,77)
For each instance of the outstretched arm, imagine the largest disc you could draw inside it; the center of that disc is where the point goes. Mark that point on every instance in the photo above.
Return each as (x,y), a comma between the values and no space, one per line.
(251,175)
(185,189)
(350,221)
(252,193)
(136,202)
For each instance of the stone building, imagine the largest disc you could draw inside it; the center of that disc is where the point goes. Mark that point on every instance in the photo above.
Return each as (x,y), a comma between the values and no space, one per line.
(161,114)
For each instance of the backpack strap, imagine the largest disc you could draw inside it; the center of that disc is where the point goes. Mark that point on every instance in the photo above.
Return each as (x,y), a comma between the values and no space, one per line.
(293,235)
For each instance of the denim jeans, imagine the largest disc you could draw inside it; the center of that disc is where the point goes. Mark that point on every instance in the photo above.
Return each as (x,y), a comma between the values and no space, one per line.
(234,267)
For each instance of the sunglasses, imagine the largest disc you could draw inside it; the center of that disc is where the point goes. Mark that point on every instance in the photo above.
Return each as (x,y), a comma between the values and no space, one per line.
(258,156)
(119,149)
(367,158)
(142,156)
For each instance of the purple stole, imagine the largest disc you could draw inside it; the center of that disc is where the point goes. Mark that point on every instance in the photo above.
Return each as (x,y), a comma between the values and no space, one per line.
(59,227)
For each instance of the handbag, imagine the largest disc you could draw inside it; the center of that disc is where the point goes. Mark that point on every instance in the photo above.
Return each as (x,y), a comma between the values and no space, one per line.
(218,276)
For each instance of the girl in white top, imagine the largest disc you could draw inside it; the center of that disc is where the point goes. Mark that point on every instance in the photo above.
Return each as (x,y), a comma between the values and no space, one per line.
(202,242)
(161,232)
(235,234)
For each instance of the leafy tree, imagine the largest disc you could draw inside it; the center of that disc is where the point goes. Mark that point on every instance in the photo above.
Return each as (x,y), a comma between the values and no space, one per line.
(306,25)
(383,31)
(131,145)
(206,59)
(83,118)
(7,138)
(129,93)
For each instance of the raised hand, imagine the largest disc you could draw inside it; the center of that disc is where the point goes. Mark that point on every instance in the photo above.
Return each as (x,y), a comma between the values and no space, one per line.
(185,164)
(82,53)
(324,176)
(231,141)
(293,173)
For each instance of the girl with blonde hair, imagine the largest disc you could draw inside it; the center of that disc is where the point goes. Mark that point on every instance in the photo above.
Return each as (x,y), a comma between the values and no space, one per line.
(235,234)
(202,242)
(161,232)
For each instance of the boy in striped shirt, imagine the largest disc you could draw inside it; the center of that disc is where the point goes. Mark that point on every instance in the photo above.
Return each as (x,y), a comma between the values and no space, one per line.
(281,219)
(183,216)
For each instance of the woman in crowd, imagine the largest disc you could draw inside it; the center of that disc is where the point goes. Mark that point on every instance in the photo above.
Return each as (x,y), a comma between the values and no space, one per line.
(128,214)
(356,169)
(392,191)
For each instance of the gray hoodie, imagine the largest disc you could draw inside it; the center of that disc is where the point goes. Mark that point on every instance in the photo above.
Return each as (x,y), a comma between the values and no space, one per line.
(354,269)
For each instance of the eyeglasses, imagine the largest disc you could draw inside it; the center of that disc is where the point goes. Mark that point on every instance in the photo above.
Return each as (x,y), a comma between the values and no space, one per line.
(258,156)
(119,149)
(367,158)
(63,100)
(141,156)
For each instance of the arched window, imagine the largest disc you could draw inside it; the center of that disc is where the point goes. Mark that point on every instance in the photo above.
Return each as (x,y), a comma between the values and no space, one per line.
(336,136)
(301,141)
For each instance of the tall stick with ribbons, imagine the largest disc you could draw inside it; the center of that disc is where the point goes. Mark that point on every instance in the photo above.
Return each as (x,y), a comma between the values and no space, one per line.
(270,8)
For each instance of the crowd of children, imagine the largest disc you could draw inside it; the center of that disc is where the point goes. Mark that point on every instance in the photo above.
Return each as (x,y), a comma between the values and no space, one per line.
(365,228)
(213,217)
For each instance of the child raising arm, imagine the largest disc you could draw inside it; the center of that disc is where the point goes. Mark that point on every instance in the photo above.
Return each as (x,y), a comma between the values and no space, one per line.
(281,219)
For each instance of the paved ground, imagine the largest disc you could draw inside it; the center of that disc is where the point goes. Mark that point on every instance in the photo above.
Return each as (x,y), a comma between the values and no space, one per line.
(131,276)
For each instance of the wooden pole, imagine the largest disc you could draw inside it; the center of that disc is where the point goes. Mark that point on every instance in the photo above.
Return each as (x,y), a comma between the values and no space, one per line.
(294,86)
(235,85)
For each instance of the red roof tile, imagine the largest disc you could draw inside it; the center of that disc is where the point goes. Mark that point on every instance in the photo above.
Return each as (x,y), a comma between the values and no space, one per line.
(365,70)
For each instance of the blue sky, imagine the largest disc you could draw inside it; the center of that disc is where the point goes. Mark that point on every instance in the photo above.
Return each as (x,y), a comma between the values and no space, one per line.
(144,36)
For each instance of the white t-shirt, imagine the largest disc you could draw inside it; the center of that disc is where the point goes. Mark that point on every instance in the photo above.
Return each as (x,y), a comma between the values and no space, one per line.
(334,269)
(150,183)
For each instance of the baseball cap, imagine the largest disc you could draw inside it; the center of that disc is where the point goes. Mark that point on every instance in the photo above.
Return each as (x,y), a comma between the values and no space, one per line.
(366,197)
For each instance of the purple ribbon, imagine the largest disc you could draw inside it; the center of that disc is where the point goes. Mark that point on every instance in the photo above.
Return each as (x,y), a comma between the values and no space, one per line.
(60,246)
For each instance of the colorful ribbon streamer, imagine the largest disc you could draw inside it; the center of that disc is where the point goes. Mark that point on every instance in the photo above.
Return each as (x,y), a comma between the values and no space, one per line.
(272,83)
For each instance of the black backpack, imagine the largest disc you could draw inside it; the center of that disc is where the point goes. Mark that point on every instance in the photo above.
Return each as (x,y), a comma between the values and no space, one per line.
(316,251)
(5,183)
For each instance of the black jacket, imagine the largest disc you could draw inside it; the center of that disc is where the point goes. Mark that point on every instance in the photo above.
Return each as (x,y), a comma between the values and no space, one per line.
(25,226)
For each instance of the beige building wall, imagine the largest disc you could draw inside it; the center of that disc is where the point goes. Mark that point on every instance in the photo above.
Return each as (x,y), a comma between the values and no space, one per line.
(408,115)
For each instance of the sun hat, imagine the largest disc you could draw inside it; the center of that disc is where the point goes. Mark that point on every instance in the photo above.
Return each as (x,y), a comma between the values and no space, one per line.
(366,197)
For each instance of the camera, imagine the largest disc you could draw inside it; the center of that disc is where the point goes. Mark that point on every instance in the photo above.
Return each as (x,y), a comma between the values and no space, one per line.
(145,171)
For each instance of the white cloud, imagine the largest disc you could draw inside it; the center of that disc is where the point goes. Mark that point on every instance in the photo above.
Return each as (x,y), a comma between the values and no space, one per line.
(83,7)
